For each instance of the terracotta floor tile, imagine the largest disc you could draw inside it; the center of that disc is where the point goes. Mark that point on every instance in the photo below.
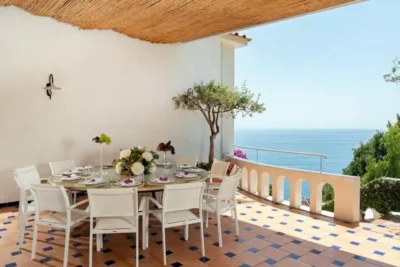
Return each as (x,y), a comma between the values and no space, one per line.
(316,260)
(278,239)
(249,258)
(357,263)
(334,254)
(295,249)
(223,261)
(257,243)
(273,253)
(287,262)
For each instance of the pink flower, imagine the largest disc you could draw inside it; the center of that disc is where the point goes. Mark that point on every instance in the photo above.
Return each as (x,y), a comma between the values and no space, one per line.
(185,173)
(163,178)
(238,153)
(128,181)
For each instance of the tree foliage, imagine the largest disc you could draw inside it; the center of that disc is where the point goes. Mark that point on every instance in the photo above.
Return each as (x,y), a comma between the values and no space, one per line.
(214,100)
(394,75)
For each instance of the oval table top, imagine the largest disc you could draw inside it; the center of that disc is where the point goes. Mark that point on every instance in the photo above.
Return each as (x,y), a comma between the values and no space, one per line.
(148,185)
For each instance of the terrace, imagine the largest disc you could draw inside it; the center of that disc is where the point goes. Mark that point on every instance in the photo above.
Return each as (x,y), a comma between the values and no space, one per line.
(153,50)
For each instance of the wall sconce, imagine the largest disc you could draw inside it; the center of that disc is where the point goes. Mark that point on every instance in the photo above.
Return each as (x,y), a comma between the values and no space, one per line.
(50,86)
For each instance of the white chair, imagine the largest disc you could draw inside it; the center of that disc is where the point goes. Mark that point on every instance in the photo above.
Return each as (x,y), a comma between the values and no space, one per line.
(58,167)
(60,214)
(187,161)
(25,177)
(115,211)
(218,169)
(223,201)
(178,201)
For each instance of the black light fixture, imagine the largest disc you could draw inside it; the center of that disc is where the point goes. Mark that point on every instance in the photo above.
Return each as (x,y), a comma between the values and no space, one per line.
(50,86)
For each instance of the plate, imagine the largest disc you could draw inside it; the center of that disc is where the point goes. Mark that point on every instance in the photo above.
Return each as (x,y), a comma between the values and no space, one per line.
(133,183)
(70,172)
(170,180)
(187,175)
(94,181)
(195,170)
(72,177)
(82,168)
(185,166)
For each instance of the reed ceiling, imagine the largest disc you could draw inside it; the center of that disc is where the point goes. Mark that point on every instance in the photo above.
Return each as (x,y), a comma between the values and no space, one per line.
(171,21)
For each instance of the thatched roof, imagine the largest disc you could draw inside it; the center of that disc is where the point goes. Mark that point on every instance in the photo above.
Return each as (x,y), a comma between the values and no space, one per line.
(170,21)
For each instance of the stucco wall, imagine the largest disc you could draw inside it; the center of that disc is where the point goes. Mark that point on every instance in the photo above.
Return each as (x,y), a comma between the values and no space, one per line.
(110,83)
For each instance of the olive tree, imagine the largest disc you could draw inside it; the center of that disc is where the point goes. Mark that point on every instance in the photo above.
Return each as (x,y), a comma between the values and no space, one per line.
(215,100)
(394,76)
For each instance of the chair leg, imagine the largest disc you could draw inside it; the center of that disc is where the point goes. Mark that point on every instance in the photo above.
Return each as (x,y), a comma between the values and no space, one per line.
(67,233)
(236,221)
(91,249)
(219,229)
(21,229)
(164,245)
(186,232)
(34,241)
(75,194)
(207,214)
(137,248)
(203,253)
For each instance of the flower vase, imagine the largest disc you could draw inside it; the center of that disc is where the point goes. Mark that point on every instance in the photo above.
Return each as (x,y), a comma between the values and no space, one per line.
(165,159)
(101,160)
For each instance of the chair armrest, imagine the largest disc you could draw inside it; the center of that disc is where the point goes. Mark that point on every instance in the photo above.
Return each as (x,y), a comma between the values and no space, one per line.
(213,185)
(150,199)
(210,195)
(78,204)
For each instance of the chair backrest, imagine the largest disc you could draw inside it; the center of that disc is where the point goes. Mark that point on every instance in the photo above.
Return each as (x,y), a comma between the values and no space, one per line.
(228,187)
(58,167)
(186,196)
(113,202)
(219,168)
(26,176)
(187,161)
(50,197)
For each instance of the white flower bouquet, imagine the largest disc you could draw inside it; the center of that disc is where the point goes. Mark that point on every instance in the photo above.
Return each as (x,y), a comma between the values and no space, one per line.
(136,161)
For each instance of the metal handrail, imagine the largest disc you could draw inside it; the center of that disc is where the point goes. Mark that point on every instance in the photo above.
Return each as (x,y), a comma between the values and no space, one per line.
(321,156)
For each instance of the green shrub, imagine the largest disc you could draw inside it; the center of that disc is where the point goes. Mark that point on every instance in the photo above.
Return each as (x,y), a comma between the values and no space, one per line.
(380,194)
(329,206)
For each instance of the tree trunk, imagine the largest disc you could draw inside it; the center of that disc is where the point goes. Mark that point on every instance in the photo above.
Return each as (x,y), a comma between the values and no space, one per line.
(211,153)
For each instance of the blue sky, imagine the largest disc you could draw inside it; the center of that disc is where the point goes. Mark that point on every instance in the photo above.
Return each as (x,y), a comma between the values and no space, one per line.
(324,70)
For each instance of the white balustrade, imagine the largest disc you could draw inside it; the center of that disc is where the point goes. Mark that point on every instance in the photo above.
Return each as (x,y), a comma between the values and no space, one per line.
(256,180)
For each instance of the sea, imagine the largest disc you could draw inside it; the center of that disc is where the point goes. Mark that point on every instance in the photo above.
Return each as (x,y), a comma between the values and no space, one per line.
(336,144)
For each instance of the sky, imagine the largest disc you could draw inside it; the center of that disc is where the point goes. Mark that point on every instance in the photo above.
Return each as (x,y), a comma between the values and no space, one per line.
(324,70)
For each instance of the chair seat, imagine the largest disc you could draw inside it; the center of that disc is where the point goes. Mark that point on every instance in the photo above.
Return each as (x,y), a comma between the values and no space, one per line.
(175,216)
(61,217)
(210,205)
(109,223)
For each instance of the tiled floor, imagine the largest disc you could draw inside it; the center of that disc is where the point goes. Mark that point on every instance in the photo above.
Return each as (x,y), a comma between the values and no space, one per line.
(269,235)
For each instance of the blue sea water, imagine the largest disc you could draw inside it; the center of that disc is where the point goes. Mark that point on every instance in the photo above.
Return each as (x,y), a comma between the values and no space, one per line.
(337,145)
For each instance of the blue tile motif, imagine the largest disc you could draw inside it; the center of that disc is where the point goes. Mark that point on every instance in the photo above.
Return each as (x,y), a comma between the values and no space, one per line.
(260,237)
(13,264)
(315,238)
(176,264)
(108,263)
(107,250)
(314,251)
(300,221)
(266,226)
(396,248)
(333,234)
(44,260)
(230,254)
(298,230)
(15,253)
(350,231)
(248,229)
(244,265)
(271,261)
(253,250)
(360,258)
(77,255)
(270,217)
(204,259)
(338,263)
(276,246)
(372,239)
(283,223)
(47,248)
(315,227)
(193,248)
(335,247)
(354,243)
(296,241)
(380,253)
(294,256)
(388,236)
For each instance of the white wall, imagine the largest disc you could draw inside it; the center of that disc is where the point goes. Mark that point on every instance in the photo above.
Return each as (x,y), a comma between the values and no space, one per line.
(110,83)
